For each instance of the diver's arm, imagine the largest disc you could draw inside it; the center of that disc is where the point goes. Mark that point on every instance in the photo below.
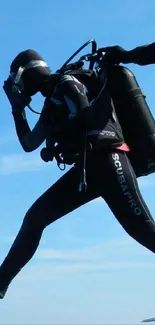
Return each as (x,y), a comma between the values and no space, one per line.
(141,55)
(29,139)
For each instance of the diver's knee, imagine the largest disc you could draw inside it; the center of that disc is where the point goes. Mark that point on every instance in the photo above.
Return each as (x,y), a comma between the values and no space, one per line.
(34,219)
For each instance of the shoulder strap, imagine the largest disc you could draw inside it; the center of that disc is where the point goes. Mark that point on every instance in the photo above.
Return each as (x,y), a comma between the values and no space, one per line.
(89,78)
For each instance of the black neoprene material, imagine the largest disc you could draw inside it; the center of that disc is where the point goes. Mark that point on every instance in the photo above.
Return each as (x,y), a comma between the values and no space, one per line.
(110,176)
(142,55)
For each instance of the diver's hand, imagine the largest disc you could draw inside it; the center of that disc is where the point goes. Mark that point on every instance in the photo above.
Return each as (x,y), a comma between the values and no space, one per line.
(17,100)
(114,54)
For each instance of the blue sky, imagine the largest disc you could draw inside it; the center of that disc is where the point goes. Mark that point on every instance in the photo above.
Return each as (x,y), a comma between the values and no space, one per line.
(87,270)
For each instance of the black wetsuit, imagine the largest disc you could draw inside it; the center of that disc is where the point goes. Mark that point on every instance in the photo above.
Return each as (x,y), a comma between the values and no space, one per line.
(108,170)
(142,55)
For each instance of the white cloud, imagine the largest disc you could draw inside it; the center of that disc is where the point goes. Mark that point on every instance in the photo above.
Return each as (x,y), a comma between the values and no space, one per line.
(18,163)
(99,260)
(70,254)
(125,248)
(46,271)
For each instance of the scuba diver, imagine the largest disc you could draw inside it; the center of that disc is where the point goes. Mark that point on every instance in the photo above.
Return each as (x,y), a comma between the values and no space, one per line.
(141,55)
(81,132)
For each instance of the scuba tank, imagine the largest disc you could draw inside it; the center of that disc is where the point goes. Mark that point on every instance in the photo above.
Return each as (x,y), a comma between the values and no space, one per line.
(133,112)
(135,118)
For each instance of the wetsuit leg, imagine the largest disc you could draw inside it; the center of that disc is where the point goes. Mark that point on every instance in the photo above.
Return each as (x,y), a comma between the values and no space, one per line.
(60,199)
(121,192)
